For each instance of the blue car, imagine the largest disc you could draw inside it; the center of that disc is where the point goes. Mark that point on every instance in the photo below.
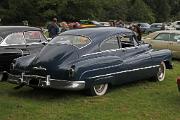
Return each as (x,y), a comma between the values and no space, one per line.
(90,59)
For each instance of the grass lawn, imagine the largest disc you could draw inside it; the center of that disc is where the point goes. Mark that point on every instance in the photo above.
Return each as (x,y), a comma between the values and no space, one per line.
(143,100)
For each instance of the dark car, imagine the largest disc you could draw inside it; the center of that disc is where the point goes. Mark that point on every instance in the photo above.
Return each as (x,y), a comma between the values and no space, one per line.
(91,59)
(17,41)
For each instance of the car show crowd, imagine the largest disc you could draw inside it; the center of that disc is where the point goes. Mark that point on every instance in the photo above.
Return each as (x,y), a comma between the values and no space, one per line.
(139,28)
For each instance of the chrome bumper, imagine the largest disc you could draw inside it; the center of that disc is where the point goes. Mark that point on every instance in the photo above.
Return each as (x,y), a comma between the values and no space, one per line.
(45,82)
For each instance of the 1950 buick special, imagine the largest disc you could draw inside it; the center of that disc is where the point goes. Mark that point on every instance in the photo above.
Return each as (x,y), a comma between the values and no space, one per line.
(91,59)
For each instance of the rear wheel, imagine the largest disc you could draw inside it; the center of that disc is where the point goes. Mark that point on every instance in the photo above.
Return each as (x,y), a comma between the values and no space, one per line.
(161,72)
(98,90)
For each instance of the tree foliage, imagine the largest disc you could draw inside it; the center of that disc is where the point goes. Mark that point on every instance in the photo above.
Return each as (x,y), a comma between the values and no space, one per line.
(38,12)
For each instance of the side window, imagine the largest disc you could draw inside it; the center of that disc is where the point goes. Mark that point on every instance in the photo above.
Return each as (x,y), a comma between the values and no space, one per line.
(33,37)
(109,44)
(127,41)
(14,39)
(163,36)
(175,37)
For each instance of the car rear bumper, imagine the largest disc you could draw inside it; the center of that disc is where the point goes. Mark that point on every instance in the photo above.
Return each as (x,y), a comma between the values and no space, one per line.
(45,82)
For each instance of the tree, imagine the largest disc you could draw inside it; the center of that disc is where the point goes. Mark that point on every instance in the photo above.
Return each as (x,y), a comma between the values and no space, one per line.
(139,11)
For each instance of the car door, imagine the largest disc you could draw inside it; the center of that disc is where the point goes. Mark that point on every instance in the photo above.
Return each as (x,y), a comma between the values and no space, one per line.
(109,60)
(35,41)
(160,41)
(174,44)
(136,60)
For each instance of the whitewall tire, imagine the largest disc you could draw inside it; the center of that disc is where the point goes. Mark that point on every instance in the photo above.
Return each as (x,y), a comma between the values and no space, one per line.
(98,90)
(161,72)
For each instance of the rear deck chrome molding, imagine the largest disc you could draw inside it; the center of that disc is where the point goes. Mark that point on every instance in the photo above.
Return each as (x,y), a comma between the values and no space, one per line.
(125,71)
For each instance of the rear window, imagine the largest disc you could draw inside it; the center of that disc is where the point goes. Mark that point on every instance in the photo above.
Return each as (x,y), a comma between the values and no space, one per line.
(78,41)
(33,36)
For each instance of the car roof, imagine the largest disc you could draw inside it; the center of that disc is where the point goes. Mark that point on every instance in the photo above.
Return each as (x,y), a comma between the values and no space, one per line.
(6,30)
(99,33)
(151,35)
(168,31)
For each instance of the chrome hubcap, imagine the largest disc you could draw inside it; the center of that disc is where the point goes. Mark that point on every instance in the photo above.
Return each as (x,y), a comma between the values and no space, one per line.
(99,88)
(161,72)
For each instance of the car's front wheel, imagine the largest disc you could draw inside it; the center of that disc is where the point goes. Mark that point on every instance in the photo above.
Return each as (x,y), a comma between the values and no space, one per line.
(161,72)
(98,90)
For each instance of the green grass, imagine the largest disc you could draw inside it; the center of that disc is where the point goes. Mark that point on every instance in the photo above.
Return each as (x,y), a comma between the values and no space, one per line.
(142,100)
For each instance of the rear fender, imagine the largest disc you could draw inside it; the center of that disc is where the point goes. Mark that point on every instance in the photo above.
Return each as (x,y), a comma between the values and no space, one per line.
(89,68)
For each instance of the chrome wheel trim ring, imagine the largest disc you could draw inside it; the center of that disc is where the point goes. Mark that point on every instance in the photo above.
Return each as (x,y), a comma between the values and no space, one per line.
(161,72)
(100,89)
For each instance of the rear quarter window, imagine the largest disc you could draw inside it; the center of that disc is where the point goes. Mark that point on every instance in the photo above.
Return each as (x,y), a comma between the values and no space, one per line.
(14,39)
(78,41)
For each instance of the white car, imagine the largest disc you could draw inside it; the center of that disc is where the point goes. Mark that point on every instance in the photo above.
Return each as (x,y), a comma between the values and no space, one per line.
(176,24)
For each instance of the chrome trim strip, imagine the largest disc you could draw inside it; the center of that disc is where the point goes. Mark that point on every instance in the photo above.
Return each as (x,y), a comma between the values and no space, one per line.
(124,71)
(70,85)
(112,50)
(39,68)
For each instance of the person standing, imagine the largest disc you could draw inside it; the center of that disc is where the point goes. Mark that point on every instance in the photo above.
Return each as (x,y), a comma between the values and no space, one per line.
(64,26)
(137,30)
(53,28)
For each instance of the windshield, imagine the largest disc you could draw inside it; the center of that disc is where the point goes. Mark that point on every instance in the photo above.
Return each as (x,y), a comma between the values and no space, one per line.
(78,41)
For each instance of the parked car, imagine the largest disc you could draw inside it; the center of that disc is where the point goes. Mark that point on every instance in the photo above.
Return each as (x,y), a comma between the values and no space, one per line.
(143,26)
(89,23)
(91,59)
(176,24)
(165,39)
(154,27)
(17,41)
(105,24)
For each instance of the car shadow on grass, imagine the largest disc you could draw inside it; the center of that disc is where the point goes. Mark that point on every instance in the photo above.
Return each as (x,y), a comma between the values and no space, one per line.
(47,94)
(144,83)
